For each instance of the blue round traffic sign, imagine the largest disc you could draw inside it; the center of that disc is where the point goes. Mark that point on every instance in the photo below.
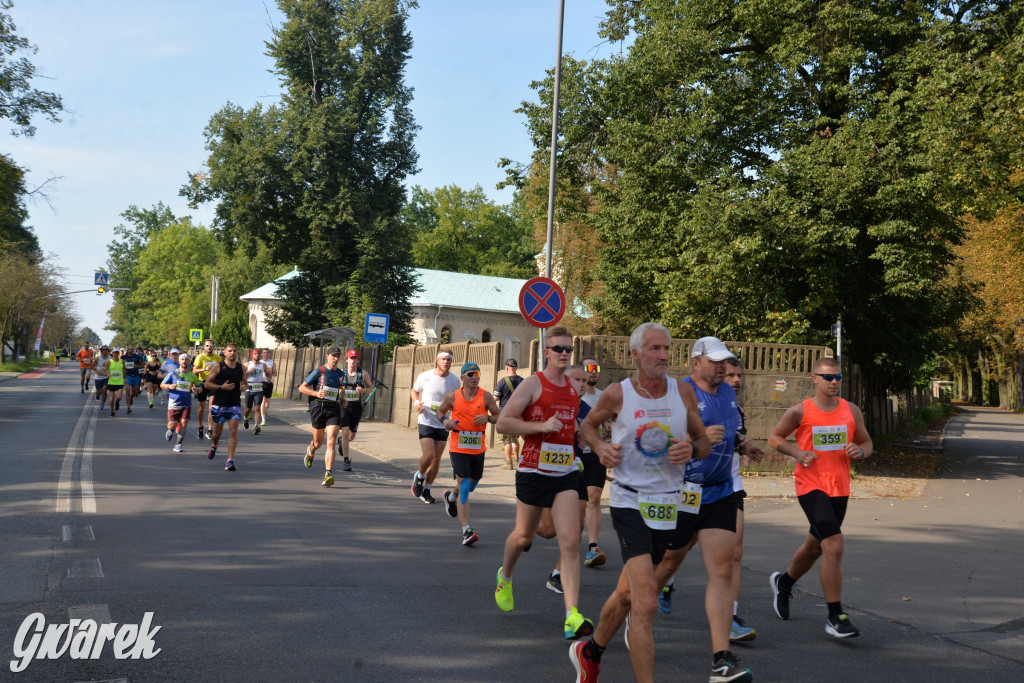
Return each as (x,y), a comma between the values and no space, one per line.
(542,302)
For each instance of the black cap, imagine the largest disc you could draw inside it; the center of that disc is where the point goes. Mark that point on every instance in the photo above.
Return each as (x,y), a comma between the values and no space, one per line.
(334,351)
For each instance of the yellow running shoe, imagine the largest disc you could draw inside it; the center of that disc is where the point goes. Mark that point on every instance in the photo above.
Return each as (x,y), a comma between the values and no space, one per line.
(576,625)
(503,592)
(308,460)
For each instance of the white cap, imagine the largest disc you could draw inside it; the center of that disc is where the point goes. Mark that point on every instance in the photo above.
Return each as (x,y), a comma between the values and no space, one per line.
(712,347)
(175,350)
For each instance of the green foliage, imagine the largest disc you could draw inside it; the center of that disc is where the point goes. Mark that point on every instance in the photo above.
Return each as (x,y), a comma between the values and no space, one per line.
(464,232)
(233,327)
(318,178)
(14,234)
(19,101)
(86,335)
(759,169)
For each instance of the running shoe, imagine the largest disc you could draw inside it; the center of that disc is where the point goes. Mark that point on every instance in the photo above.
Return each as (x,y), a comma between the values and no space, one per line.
(328,480)
(555,583)
(841,627)
(263,422)
(168,434)
(427,498)
(230,465)
(308,459)
(469,537)
(199,434)
(665,599)
(346,465)
(450,507)
(256,430)
(177,448)
(209,434)
(625,630)
(780,600)
(129,411)
(727,668)
(151,404)
(245,423)
(577,626)
(740,632)
(586,669)
(212,453)
(595,558)
(417,485)
(83,391)
(503,592)
(112,413)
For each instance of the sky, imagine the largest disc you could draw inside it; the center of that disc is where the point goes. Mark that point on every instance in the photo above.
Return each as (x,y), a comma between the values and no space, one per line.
(140,81)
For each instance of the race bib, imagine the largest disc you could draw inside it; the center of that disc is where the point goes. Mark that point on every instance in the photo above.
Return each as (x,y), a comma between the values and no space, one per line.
(434,407)
(471,441)
(184,386)
(331,394)
(556,457)
(128,365)
(211,365)
(831,438)
(115,374)
(659,510)
(351,395)
(691,498)
(256,386)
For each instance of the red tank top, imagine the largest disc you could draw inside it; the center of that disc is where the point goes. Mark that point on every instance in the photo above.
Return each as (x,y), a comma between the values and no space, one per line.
(551,454)
(825,433)
(468,437)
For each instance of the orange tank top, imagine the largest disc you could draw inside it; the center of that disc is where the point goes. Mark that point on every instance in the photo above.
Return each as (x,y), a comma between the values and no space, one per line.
(468,437)
(825,433)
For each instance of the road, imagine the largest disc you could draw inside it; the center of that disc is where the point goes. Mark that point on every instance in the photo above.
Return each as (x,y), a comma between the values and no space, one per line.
(263,575)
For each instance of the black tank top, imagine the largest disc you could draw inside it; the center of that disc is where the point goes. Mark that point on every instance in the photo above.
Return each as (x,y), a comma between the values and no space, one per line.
(230,397)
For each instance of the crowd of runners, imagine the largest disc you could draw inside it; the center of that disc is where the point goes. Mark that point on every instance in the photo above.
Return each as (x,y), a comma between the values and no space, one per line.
(670,449)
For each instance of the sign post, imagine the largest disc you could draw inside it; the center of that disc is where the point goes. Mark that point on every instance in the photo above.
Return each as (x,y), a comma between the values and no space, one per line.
(195,335)
(376,329)
(542,302)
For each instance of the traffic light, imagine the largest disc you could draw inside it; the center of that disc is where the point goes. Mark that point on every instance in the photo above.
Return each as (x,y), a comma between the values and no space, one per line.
(101,289)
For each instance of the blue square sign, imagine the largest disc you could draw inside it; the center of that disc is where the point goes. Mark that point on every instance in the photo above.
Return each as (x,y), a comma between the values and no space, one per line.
(376,330)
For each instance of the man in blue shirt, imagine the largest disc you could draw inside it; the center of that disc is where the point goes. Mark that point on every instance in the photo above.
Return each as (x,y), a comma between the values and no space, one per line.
(325,386)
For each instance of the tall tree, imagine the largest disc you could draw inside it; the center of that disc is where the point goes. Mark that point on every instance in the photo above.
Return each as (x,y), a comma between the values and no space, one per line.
(19,101)
(319,176)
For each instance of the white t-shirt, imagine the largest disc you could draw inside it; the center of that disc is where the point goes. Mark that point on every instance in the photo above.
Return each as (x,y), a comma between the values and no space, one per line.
(269,364)
(432,390)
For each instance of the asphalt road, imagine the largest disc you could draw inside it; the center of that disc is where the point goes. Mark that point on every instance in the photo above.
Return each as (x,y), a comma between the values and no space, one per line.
(263,575)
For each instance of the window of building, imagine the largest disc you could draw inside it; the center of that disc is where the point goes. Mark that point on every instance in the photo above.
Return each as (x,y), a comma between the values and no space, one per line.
(485,336)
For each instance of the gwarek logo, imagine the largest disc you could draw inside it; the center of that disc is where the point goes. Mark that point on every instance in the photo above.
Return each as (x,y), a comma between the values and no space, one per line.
(81,639)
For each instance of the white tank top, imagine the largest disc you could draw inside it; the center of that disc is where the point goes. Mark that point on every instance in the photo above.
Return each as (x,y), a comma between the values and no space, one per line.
(643,429)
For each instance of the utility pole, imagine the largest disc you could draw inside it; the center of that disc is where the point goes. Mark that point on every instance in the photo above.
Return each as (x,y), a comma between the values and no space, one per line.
(214,301)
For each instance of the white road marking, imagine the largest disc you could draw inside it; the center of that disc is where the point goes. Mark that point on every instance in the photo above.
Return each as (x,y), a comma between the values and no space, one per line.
(98,613)
(88,494)
(68,466)
(87,568)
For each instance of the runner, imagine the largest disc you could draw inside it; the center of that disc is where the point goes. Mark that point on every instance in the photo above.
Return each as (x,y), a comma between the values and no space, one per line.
(169,366)
(325,408)
(85,356)
(543,409)
(152,376)
(471,410)
(830,432)
(206,361)
(503,392)
(132,375)
(256,377)
(100,367)
(656,433)
(115,380)
(356,381)
(181,385)
(594,472)
(268,386)
(225,382)
(427,392)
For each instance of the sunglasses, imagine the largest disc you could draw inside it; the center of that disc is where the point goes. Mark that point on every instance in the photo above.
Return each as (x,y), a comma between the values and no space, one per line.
(828,377)
(472,374)
(560,349)
(592,368)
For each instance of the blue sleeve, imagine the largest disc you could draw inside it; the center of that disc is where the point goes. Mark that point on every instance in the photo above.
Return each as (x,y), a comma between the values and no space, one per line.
(313,377)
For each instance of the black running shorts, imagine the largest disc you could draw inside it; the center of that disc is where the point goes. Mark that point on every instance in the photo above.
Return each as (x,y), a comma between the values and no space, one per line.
(824,513)
(540,490)
(322,414)
(467,465)
(636,538)
(352,414)
(718,515)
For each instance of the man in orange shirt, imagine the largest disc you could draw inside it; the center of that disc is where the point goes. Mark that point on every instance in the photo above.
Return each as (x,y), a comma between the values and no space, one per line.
(84,356)
(830,433)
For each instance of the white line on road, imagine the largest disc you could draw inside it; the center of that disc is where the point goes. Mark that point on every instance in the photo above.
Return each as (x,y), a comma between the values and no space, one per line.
(88,494)
(98,613)
(67,468)
(86,568)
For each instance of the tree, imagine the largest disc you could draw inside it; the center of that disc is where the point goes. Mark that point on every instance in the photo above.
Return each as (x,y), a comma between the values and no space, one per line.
(19,101)
(32,287)
(756,170)
(464,232)
(86,335)
(318,178)
(14,234)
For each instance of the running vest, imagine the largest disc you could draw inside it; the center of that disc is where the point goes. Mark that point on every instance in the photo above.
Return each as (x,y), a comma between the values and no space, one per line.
(551,454)
(643,429)
(115,373)
(226,398)
(468,437)
(351,381)
(825,433)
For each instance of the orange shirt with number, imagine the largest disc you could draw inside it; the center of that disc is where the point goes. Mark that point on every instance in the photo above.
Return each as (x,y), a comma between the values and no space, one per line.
(826,433)
(463,412)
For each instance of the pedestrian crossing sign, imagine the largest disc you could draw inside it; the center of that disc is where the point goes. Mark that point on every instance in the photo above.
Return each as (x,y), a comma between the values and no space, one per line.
(195,335)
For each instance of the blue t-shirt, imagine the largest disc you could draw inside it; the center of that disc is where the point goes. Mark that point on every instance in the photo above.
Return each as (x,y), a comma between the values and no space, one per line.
(181,397)
(136,362)
(332,379)
(714,472)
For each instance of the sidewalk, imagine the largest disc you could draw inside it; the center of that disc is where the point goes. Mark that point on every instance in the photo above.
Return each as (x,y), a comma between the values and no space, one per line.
(400,447)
